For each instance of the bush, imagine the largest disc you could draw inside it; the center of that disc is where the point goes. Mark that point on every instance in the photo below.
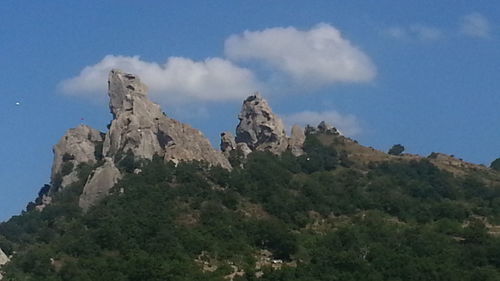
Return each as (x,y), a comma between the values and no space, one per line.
(396,149)
(495,165)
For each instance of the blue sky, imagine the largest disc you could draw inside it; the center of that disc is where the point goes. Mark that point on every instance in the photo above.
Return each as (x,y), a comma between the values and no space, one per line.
(421,73)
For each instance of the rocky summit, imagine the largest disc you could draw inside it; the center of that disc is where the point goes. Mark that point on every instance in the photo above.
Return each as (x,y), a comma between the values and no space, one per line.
(259,127)
(139,128)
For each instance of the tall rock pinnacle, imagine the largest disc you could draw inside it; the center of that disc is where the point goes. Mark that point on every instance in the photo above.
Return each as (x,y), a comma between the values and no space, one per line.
(259,127)
(139,126)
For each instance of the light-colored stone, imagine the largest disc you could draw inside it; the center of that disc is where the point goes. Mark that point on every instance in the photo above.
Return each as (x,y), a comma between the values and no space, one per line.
(3,258)
(79,144)
(243,149)
(140,127)
(45,201)
(259,127)
(99,184)
(296,140)
(227,143)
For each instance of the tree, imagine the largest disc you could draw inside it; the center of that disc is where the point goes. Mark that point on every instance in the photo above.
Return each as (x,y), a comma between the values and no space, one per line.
(396,149)
(495,165)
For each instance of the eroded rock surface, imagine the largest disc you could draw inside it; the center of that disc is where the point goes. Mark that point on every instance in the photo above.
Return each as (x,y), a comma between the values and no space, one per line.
(296,140)
(141,128)
(3,258)
(259,127)
(227,143)
(78,145)
(99,184)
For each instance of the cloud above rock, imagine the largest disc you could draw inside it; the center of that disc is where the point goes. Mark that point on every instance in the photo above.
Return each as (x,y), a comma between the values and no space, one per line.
(178,79)
(316,58)
(319,56)
(347,124)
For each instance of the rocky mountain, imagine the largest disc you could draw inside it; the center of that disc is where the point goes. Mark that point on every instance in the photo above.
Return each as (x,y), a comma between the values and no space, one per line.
(139,128)
(150,199)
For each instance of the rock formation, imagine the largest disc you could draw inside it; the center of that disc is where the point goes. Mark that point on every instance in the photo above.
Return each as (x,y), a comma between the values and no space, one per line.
(322,128)
(3,260)
(78,145)
(259,127)
(99,185)
(296,140)
(227,143)
(140,127)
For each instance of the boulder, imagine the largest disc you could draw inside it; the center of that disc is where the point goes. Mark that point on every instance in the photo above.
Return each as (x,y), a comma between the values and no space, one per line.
(259,127)
(99,184)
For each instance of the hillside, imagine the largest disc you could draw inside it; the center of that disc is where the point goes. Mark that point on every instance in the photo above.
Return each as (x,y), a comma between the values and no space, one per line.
(313,206)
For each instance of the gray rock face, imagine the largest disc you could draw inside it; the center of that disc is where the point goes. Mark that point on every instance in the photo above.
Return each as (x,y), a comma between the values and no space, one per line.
(227,143)
(259,127)
(99,184)
(322,128)
(139,126)
(77,146)
(296,140)
(3,258)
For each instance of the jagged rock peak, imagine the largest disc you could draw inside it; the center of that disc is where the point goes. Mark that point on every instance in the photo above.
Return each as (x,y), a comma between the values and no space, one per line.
(140,127)
(78,145)
(123,88)
(259,127)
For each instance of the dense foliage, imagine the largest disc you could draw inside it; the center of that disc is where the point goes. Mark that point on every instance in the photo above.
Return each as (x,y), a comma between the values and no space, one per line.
(318,217)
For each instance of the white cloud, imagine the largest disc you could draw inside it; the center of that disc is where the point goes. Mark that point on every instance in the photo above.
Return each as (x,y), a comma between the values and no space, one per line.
(475,25)
(178,79)
(347,124)
(319,56)
(415,32)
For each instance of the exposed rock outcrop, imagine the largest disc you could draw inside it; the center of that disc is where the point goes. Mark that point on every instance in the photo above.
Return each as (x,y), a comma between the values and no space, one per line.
(296,140)
(99,184)
(322,128)
(259,127)
(227,143)
(140,127)
(3,258)
(78,145)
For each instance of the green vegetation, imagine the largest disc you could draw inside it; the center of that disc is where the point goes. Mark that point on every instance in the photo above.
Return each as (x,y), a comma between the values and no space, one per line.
(320,217)
(396,149)
(495,165)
